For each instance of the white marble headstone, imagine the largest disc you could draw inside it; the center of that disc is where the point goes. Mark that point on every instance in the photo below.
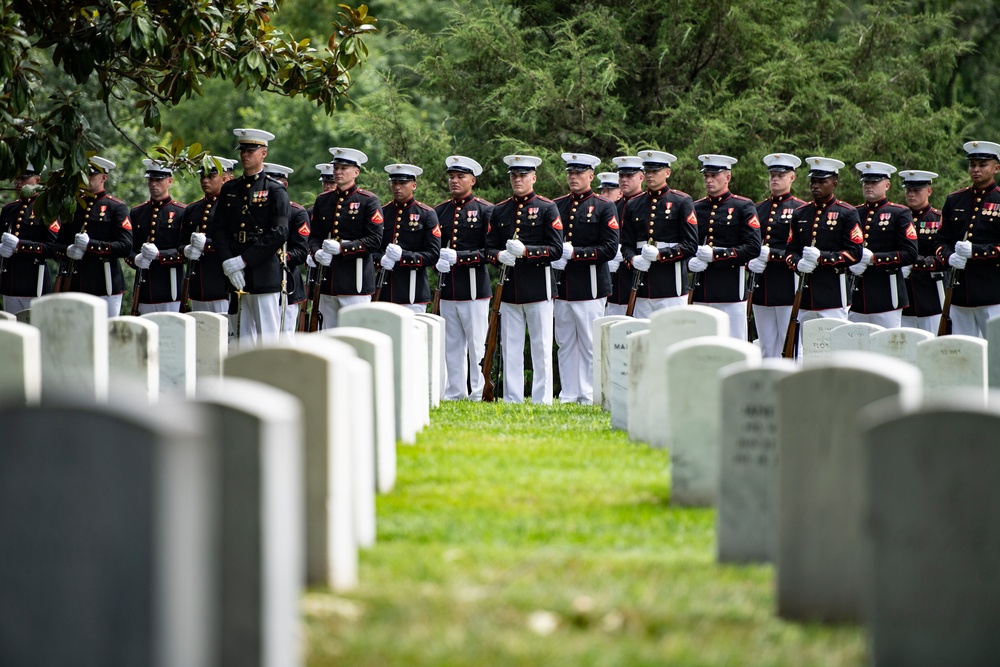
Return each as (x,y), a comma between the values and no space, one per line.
(993,350)
(638,361)
(211,343)
(442,340)
(21,370)
(177,352)
(7,317)
(435,356)
(134,356)
(23,316)
(618,368)
(694,413)
(599,330)
(74,343)
(422,369)
(821,479)
(853,337)
(952,362)
(899,343)
(815,336)
(746,525)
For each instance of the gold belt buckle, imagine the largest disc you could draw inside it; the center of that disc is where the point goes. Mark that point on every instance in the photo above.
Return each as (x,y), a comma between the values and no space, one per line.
(241,237)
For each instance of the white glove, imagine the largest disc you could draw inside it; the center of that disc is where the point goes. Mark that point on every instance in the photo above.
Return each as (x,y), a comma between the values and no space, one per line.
(906,271)
(560,264)
(232,265)
(567,251)
(613,265)
(385,263)
(238,280)
(757,265)
(957,260)
(697,265)
(332,246)
(198,240)
(310,262)
(866,256)
(74,252)
(705,254)
(10,239)
(449,255)
(765,253)
(192,253)
(964,249)
(443,265)
(515,248)
(640,263)
(858,269)
(506,258)
(323,257)
(806,265)
(393,252)
(150,251)
(82,241)
(141,262)
(650,253)
(811,253)
(6,250)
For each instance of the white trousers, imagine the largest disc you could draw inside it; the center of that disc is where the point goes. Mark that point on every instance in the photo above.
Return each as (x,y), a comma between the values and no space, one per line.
(737,312)
(416,307)
(574,333)
(930,323)
(465,342)
(538,318)
(615,309)
(891,319)
(15,304)
(646,307)
(220,306)
(259,318)
(168,307)
(329,307)
(291,319)
(772,325)
(972,321)
(826,313)
(114,304)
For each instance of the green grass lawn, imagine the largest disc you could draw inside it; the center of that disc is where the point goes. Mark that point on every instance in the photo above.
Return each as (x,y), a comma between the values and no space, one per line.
(524,535)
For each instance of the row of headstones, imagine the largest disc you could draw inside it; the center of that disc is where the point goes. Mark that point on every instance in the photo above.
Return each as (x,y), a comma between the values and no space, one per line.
(739,429)
(182,533)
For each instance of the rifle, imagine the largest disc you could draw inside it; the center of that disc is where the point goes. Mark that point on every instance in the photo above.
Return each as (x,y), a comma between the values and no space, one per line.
(491,338)
(379,282)
(136,286)
(283,300)
(302,321)
(792,333)
(636,282)
(186,287)
(944,326)
(436,300)
(751,285)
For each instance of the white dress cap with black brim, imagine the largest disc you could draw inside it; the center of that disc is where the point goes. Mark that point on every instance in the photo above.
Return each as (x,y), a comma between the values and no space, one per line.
(873,171)
(251,138)
(656,160)
(277,170)
(521,164)
(982,150)
(349,156)
(156,169)
(628,164)
(580,161)
(325,171)
(823,167)
(227,165)
(403,172)
(608,179)
(714,164)
(914,178)
(101,165)
(463,164)
(781,162)
(29,170)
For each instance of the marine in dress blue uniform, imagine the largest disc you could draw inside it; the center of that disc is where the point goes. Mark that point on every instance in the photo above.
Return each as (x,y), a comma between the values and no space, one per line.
(659,233)
(925,277)
(729,237)
(296,250)
(969,242)
(464,278)
(890,243)
(630,179)
(590,229)
(411,241)
(92,245)
(526,236)
(157,243)
(824,239)
(345,232)
(774,290)
(208,289)
(249,229)
(27,241)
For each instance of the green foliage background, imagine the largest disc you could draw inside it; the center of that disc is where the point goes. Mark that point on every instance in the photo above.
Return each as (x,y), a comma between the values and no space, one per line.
(903,81)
